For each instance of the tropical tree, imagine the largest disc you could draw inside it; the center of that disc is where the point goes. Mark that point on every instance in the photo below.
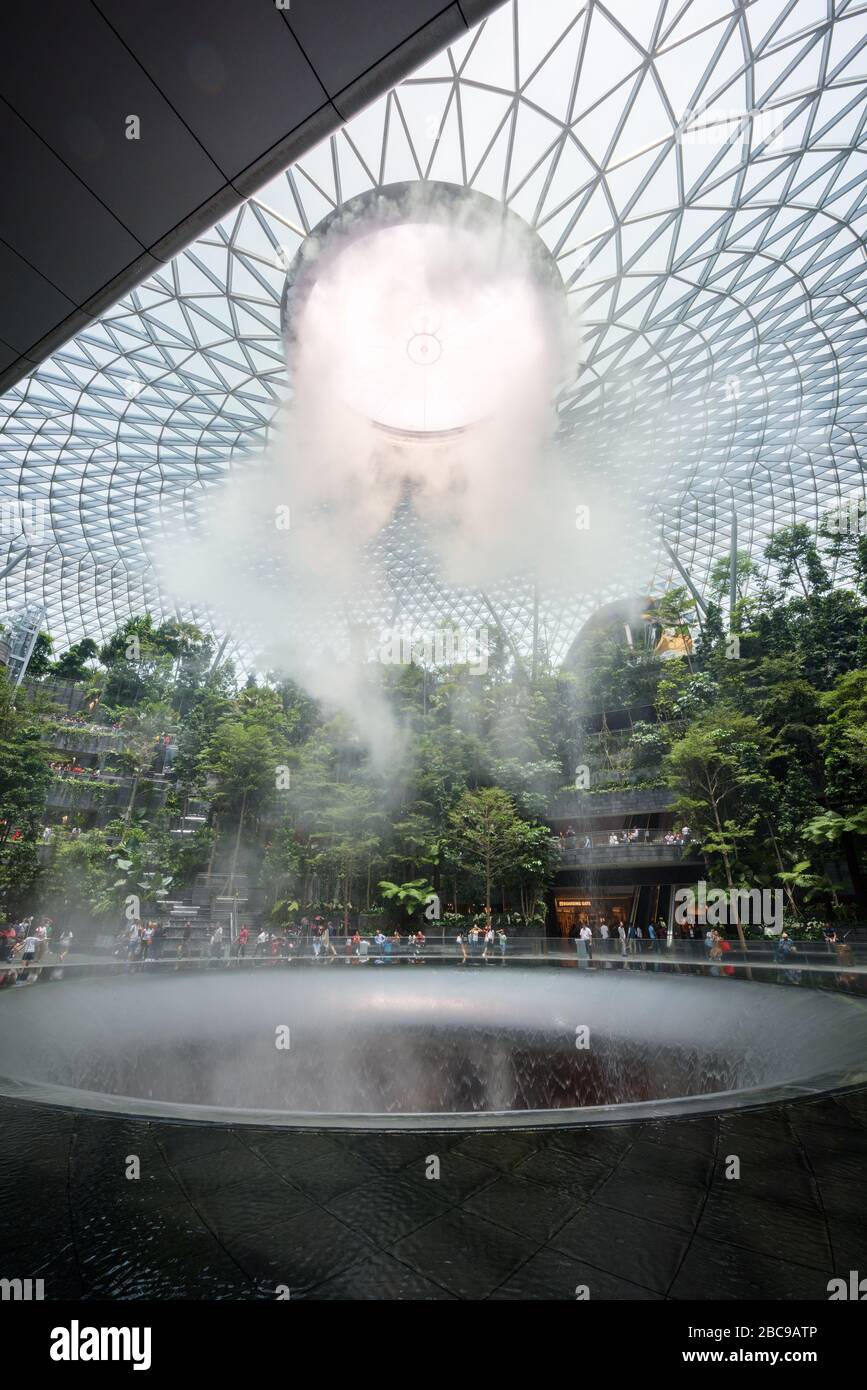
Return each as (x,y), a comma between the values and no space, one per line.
(244,757)
(489,840)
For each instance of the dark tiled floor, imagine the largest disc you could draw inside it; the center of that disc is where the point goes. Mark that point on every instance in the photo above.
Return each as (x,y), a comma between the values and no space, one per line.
(628,1211)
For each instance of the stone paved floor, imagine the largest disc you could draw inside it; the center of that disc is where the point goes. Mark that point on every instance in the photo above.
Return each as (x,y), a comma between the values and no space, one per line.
(634,1211)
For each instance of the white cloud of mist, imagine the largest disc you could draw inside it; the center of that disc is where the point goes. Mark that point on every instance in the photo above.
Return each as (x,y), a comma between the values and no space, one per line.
(498,496)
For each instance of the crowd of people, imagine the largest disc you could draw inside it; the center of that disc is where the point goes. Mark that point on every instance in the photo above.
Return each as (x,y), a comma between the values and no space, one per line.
(85,721)
(569,839)
(73,769)
(316,939)
(629,940)
(482,943)
(33,942)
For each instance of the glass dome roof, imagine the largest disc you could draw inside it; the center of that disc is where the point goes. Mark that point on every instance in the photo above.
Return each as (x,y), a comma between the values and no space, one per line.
(696,169)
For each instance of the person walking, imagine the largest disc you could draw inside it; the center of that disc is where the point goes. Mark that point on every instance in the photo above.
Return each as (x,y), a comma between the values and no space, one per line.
(28,954)
(621,932)
(462,947)
(133,939)
(325,938)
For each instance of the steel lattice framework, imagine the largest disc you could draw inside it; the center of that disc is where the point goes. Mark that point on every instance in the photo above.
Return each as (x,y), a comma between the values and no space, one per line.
(697,168)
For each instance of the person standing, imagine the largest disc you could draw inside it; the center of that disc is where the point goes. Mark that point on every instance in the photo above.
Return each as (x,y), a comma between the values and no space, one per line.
(147,937)
(185,947)
(621,932)
(580,947)
(243,938)
(587,938)
(503,940)
(462,947)
(42,934)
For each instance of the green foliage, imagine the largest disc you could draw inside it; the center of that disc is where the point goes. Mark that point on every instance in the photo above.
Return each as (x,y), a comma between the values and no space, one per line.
(24,781)
(763,742)
(410,896)
(76,662)
(40,657)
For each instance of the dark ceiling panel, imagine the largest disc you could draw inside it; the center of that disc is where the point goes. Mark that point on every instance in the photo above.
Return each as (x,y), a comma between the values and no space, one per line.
(227,96)
(53,221)
(80,108)
(29,306)
(340,40)
(233,71)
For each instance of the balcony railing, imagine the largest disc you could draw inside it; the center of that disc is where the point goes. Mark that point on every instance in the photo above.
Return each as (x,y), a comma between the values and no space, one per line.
(601,851)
